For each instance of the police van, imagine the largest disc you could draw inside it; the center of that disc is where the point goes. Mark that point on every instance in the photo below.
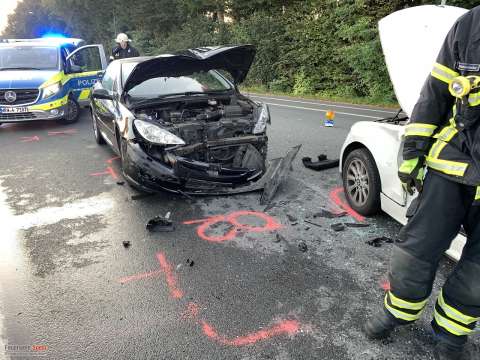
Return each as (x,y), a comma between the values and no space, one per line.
(47,78)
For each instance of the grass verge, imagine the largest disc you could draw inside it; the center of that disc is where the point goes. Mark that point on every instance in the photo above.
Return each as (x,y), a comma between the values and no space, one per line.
(341,99)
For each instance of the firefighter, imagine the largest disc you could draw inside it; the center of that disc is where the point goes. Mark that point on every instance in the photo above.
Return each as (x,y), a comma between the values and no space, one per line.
(443,136)
(123,49)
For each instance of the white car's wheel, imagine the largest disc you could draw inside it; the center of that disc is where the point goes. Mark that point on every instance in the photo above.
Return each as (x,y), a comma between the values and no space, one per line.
(361,182)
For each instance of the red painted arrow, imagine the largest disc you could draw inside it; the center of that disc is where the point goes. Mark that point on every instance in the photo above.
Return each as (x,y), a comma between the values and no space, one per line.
(29,139)
(110,171)
(64,132)
(109,161)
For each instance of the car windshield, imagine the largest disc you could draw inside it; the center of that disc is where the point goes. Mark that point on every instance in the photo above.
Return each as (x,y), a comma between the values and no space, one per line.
(196,82)
(28,57)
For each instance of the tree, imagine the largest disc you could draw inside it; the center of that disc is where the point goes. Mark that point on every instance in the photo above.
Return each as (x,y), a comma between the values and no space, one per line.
(32,19)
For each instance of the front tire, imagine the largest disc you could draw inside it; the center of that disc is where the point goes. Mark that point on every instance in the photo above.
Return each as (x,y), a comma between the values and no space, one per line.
(361,182)
(72,112)
(96,132)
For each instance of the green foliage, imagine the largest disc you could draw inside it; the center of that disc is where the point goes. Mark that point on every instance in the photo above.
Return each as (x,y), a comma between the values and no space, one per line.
(326,48)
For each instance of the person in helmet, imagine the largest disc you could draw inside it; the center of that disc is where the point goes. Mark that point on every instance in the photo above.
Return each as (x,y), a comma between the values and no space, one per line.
(123,49)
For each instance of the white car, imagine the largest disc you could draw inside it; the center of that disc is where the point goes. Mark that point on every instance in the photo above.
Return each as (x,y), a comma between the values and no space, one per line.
(372,153)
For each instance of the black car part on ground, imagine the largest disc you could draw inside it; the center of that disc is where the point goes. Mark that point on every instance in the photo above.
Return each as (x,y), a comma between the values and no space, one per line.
(160,224)
(322,164)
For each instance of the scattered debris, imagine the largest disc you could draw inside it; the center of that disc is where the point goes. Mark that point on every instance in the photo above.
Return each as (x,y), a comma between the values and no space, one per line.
(160,224)
(338,227)
(179,266)
(292,218)
(302,246)
(141,196)
(278,238)
(126,244)
(378,242)
(121,183)
(270,207)
(356,225)
(19,314)
(328,214)
(322,164)
(307,228)
(190,262)
(312,223)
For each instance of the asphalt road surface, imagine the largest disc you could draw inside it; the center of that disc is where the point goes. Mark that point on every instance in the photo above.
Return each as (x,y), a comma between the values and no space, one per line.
(233,281)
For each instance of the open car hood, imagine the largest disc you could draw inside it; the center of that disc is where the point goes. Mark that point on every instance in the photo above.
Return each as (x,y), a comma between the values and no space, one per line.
(411,40)
(236,60)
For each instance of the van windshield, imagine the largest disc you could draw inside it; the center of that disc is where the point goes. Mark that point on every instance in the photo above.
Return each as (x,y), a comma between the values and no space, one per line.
(28,58)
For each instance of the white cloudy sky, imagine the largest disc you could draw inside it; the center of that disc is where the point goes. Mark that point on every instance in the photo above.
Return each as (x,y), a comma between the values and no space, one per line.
(6,8)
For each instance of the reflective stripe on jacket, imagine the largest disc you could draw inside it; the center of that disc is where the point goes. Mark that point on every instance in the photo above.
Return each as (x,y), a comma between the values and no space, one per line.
(445,132)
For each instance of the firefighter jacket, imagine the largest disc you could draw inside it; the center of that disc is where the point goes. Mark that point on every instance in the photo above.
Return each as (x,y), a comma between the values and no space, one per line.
(442,129)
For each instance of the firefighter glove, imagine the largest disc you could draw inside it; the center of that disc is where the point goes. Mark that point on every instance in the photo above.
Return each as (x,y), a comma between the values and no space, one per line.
(411,174)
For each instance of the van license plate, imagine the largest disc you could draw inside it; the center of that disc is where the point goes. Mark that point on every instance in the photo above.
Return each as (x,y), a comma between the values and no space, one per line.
(4,110)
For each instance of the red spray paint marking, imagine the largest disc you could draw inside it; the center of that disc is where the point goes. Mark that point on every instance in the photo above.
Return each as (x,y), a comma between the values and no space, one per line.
(109,161)
(191,312)
(150,274)
(110,171)
(236,226)
(175,292)
(64,132)
(285,327)
(385,285)
(29,139)
(335,197)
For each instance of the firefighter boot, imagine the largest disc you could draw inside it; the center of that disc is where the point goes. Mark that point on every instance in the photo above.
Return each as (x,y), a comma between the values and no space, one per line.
(380,325)
(445,351)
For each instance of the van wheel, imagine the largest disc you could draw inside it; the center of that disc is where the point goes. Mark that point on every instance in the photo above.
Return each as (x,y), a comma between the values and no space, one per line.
(72,112)
(361,182)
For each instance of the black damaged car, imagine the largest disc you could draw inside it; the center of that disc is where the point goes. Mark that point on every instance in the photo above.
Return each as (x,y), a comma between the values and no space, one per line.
(179,123)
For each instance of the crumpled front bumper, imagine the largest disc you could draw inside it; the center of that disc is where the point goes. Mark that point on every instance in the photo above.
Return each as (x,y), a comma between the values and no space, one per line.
(198,178)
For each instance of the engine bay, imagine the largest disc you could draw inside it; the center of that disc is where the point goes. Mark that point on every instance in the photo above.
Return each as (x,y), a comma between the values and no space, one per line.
(216,130)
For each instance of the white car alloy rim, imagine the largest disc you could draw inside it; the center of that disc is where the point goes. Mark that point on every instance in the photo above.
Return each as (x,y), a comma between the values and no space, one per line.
(358,182)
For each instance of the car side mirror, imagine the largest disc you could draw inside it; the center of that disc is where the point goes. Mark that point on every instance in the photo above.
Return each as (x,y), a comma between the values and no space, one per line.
(101,94)
(100,74)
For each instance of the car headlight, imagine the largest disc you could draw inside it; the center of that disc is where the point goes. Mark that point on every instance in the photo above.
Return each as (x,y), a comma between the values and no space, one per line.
(155,134)
(263,120)
(51,90)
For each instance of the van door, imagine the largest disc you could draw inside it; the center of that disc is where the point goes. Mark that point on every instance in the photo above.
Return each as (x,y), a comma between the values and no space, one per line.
(84,67)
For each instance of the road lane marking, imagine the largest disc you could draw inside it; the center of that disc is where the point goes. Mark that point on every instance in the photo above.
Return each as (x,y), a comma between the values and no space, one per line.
(320,110)
(325,104)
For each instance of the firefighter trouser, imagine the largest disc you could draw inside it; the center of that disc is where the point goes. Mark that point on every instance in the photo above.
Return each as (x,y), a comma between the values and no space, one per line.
(442,208)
